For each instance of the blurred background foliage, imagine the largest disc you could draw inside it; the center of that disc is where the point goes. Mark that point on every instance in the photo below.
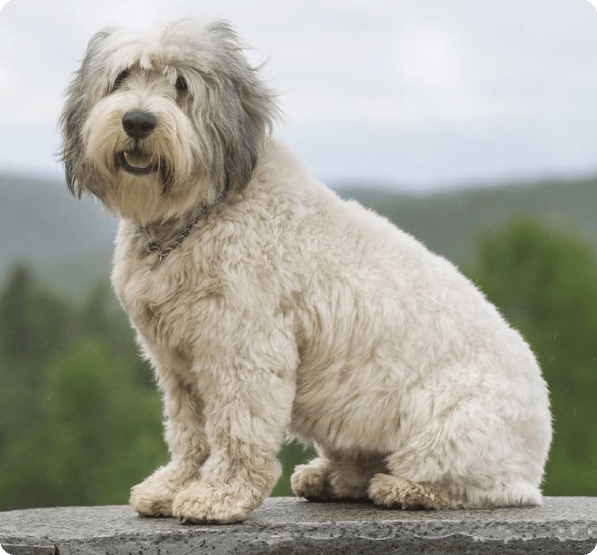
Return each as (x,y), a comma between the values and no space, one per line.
(80,417)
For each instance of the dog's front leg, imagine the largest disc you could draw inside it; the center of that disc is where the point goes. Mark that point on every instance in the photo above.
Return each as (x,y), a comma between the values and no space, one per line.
(188,447)
(247,406)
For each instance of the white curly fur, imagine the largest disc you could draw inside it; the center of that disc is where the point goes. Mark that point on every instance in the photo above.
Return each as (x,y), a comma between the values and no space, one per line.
(287,309)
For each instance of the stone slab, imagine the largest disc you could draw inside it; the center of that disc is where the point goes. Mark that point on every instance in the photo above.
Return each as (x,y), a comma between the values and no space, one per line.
(563,525)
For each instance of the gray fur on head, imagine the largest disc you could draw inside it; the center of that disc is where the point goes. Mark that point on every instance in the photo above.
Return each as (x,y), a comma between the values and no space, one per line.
(212,112)
(76,109)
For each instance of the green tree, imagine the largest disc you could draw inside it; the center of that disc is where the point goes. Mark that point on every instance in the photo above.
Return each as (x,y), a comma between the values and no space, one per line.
(33,322)
(99,433)
(15,331)
(545,283)
(33,325)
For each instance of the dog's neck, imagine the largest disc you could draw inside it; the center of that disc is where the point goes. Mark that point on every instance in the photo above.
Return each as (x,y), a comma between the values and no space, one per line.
(158,239)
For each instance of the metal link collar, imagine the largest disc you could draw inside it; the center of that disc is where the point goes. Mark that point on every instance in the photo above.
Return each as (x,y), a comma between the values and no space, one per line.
(154,248)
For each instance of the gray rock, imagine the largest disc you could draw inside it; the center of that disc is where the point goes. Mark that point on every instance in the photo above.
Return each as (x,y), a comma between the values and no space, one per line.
(564,525)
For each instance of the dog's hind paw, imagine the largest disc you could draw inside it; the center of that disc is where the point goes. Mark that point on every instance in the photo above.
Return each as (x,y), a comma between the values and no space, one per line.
(398,493)
(311,481)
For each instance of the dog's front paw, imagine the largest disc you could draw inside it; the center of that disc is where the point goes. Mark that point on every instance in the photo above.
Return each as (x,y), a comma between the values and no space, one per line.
(148,501)
(311,481)
(154,496)
(215,503)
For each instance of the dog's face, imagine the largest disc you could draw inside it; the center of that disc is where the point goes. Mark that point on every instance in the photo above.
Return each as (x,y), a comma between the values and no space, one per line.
(158,124)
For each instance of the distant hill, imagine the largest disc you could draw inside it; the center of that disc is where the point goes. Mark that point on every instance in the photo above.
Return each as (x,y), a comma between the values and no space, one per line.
(69,244)
(449,223)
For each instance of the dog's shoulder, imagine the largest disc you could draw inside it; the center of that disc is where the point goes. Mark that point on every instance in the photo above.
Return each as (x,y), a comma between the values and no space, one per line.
(280,172)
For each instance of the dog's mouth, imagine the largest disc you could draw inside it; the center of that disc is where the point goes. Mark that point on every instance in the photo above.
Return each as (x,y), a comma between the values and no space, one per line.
(137,163)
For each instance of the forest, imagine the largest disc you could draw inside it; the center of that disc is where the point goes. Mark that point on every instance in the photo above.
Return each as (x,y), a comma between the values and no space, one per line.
(80,416)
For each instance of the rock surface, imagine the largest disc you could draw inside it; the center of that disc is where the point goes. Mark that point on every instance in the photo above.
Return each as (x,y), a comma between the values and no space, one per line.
(564,525)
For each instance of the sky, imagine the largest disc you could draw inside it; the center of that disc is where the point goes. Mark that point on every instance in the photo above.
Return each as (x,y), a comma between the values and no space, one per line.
(418,95)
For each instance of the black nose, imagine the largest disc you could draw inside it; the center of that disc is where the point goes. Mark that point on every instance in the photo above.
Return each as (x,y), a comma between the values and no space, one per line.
(139,125)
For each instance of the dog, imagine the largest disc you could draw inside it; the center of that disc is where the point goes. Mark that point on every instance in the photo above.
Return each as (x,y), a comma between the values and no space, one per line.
(270,308)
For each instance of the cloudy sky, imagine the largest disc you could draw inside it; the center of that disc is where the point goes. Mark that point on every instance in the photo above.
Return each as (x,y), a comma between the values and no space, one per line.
(422,94)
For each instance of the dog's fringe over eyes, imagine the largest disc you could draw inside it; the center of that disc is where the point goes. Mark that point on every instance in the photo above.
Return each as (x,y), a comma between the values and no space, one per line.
(120,79)
(181,85)
(275,307)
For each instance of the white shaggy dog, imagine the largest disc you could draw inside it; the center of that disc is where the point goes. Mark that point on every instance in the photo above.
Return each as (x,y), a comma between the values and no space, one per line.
(267,305)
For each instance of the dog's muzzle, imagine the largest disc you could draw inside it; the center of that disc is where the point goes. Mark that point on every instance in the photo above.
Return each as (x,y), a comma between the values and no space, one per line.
(138,125)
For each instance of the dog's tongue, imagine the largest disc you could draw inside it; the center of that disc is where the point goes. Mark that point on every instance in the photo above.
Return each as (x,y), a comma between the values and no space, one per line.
(137,159)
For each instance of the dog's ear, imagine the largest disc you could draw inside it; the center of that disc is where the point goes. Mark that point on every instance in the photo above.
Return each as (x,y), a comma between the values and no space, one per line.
(76,109)
(245,111)
(257,116)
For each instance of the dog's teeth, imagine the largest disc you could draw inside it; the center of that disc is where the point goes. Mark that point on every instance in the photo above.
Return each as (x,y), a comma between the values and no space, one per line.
(136,159)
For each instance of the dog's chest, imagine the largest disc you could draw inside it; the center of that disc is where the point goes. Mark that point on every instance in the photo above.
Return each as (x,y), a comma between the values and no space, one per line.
(168,304)
(152,297)
(149,298)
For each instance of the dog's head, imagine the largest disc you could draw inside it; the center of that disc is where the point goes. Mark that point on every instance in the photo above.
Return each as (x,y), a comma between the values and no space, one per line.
(158,124)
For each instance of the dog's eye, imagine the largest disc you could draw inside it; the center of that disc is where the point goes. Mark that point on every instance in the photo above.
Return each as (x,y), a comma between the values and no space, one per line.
(181,85)
(120,79)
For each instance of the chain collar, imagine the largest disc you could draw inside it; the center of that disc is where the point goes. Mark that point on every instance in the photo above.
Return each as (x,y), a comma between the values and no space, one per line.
(154,248)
